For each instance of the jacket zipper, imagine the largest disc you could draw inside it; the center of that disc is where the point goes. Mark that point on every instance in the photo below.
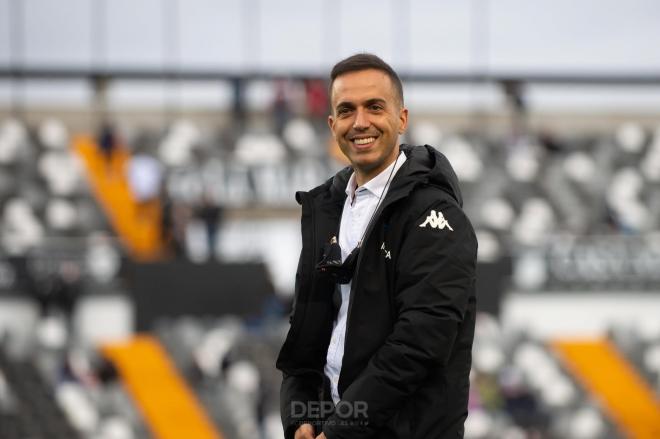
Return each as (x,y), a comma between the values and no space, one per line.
(361,254)
(367,235)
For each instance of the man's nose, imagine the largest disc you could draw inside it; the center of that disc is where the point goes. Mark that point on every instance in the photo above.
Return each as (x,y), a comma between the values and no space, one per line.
(361,120)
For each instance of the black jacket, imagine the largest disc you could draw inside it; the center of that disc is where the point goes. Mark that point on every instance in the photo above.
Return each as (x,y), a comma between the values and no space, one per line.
(411,315)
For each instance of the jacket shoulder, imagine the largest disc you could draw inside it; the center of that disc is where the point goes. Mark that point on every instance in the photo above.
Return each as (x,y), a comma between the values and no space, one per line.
(332,186)
(425,199)
(426,195)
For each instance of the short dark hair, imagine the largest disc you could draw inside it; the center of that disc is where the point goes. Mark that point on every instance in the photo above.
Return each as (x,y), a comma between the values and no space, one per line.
(365,61)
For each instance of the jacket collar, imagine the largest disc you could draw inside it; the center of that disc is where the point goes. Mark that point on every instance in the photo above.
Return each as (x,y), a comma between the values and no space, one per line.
(376,185)
(423,165)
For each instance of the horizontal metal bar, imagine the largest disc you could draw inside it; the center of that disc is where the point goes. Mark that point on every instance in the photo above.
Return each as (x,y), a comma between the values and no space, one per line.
(92,74)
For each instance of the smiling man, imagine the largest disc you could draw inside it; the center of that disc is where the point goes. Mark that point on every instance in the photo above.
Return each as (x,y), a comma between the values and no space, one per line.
(368,116)
(383,317)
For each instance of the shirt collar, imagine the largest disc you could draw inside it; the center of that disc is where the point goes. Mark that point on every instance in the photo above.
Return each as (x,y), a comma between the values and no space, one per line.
(376,185)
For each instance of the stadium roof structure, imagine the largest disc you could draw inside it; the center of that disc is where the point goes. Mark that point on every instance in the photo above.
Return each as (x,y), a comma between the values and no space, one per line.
(578,78)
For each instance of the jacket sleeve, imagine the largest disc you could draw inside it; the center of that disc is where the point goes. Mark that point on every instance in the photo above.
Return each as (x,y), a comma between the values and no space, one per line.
(295,394)
(297,389)
(435,278)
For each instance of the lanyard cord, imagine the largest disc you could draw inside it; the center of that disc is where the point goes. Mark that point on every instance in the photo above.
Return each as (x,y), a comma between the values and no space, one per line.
(380,199)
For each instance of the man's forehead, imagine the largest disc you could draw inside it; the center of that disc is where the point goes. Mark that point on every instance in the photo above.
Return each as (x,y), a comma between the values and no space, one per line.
(367,84)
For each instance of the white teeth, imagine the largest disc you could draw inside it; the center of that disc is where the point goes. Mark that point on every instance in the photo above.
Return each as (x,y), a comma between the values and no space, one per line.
(364,141)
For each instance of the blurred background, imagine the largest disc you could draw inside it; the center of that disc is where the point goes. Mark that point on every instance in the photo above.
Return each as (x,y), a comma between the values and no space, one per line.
(149,236)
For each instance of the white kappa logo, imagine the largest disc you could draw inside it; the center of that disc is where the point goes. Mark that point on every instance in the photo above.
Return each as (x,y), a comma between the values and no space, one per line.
(436,220)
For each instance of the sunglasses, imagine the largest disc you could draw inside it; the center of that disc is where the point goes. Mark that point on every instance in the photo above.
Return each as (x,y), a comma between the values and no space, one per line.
(332,265)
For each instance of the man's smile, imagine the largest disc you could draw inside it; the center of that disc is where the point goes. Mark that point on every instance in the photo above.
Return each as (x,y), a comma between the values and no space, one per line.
(363,142)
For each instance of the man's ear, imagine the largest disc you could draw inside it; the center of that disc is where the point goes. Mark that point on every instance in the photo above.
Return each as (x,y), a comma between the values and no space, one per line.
(403,120)
(331,122)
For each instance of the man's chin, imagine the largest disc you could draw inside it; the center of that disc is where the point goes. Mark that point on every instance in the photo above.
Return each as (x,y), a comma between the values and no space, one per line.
(364,161)
(366,165)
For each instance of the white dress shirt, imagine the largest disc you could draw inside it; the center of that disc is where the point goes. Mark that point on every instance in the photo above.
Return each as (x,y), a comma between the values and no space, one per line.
(360,204)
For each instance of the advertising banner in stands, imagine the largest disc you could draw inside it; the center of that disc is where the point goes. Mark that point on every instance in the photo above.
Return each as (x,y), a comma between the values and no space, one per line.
(492,281)
(603,263)
(178,288)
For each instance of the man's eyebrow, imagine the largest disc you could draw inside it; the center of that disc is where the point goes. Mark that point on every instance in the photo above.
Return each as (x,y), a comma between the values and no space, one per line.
(375,101)
(347,104)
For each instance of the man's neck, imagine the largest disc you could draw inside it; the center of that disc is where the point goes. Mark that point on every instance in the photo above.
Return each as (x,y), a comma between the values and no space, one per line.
(361,177)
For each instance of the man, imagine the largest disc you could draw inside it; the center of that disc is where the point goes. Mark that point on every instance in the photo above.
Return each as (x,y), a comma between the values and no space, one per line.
(383,316)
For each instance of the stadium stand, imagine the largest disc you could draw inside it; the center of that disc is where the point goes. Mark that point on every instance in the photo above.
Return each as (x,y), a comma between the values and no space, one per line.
(536,200)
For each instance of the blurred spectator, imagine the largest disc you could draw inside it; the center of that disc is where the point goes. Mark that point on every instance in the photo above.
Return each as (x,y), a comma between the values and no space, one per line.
(108,142)
(238,103)
(209,212)
(58,291)
(171,230)
(550,142)
(316,93)
(145,174)
(520,403)
(281,108)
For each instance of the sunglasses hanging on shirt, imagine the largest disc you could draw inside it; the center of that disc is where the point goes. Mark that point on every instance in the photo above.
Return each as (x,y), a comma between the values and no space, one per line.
(331,263)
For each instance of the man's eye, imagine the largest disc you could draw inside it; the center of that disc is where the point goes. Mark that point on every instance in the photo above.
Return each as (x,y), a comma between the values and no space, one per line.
(376,107)
(343,111)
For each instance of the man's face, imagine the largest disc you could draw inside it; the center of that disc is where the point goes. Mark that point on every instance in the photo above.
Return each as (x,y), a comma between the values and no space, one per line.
(366,120)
